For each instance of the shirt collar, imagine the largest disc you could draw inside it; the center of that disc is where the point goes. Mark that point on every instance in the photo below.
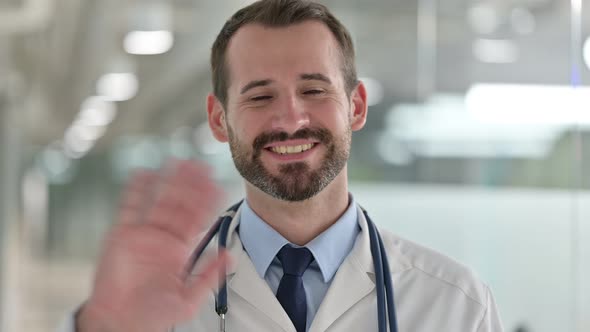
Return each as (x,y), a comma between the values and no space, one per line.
(329,249)
(252,229)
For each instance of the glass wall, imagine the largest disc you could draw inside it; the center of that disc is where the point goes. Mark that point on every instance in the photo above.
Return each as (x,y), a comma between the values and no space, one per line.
(476,142)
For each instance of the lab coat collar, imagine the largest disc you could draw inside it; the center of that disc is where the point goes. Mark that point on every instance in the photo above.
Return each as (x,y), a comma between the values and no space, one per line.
(355,278)
(357,270)
(361,252)
(245,281)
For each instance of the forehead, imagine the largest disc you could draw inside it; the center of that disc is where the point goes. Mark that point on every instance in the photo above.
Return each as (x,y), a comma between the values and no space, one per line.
(261,52)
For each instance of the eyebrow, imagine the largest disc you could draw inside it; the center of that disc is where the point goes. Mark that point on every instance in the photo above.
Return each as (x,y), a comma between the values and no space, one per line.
(254,84)
(306,77)
(315,77)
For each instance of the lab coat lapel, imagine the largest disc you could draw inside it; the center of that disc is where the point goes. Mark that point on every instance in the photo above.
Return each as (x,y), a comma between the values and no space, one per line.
(245,282)
(351,283)
(355,278)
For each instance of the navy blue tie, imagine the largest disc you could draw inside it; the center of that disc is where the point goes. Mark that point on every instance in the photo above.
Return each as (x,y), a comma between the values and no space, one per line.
(291,293)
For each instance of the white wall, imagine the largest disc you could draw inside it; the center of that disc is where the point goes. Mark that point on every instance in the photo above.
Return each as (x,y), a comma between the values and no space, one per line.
(521,242)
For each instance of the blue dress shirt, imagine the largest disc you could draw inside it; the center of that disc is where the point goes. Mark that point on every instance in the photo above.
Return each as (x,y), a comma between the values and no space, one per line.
(329,250)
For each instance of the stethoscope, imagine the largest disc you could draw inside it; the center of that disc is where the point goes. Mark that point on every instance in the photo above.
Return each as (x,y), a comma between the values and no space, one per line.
(385,300)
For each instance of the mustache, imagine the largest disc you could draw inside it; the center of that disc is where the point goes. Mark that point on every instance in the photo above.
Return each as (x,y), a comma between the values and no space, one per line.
(320,134)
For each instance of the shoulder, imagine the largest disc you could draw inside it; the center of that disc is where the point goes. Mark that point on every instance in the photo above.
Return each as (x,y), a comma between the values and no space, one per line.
(441,270)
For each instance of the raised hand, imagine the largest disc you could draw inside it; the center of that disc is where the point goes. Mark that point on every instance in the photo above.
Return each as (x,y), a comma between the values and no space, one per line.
(140,281)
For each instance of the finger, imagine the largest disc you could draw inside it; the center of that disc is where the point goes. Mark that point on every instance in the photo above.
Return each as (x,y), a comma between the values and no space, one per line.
(136,196)
(184,213)
(208,278)
(185,204)
(180,197)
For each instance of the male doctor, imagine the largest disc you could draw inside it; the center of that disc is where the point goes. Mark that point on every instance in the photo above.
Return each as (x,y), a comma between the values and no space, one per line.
(287,99)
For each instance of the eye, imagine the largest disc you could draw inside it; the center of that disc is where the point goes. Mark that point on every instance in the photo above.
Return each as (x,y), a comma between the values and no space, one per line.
(313,92)
(260,98)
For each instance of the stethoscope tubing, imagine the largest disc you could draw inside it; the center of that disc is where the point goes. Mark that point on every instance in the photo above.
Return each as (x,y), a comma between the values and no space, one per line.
(385,297)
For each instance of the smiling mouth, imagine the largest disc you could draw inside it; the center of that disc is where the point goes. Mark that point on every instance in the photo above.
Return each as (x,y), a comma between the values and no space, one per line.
(294,149)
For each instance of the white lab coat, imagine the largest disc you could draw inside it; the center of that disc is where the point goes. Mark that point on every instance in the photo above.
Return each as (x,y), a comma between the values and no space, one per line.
(433,293)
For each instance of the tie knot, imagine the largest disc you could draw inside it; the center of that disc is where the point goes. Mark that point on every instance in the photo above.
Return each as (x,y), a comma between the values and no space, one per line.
(294,260)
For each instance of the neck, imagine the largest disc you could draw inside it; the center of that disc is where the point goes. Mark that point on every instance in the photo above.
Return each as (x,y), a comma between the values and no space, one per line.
(301,222)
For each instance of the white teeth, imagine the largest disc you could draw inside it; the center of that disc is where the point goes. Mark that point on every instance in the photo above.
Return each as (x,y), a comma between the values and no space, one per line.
(292,149)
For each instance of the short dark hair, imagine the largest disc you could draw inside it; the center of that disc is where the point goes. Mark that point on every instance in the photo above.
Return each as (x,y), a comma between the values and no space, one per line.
(280,13)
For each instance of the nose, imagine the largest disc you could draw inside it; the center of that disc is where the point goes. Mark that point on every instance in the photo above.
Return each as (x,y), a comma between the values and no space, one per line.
(290,115)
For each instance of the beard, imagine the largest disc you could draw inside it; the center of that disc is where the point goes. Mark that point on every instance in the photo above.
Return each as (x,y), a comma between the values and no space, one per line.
(296,181)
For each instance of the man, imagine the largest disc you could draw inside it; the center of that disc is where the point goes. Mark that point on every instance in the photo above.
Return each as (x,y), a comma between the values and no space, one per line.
(286,98)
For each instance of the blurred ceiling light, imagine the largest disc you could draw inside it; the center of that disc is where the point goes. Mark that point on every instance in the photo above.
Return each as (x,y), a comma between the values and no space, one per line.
(75,146)
(95,114)
(576,6)
(148,42)
(392,151)
(442,127)
(375,90)
(117,86)
(495,50)
(87,133)
(529,104)
(483,18)
(586,52)
(523,21)
(97,111)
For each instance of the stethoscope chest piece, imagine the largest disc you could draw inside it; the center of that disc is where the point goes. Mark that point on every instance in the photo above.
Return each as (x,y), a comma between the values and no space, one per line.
(221,322)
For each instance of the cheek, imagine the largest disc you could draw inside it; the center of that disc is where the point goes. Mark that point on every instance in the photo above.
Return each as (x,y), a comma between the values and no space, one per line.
(245,129)
(334,118)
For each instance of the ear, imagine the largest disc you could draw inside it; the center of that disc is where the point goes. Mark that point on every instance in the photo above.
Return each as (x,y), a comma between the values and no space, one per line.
(359,107)
(216,117)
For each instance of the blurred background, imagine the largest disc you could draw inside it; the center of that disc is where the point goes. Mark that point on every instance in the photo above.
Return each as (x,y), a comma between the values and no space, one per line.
(477,142)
